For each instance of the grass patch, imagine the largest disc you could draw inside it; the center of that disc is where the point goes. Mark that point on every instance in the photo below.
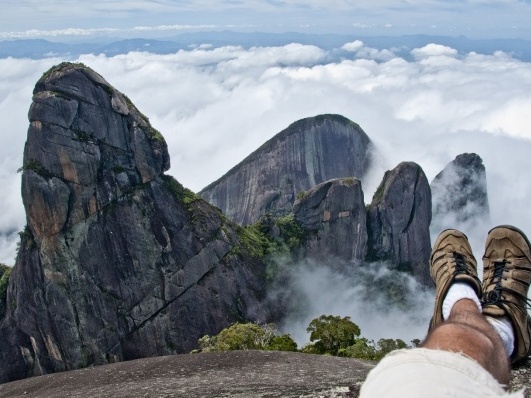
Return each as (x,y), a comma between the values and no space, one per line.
(301,195)
(184,195)
(254,240)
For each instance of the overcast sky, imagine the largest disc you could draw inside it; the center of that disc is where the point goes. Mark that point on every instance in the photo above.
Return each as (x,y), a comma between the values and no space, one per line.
(473,18)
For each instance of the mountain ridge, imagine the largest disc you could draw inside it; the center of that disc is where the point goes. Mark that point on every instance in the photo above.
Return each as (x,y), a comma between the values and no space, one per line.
(42,48)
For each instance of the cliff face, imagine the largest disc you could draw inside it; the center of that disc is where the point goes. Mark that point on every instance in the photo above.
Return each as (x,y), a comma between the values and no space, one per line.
(334,214)
(307,153)
(459,194)
(118,261)
(399,220)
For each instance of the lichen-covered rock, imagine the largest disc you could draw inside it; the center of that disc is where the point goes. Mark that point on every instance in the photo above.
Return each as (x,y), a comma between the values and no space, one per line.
(399,221)
(307,153)
(334,214)
(118,261)
(459,194)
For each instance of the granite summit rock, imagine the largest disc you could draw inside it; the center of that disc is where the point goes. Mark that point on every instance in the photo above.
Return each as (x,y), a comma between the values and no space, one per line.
(399,221)
(334,214)
(118,261)
(459,194)
(307,153)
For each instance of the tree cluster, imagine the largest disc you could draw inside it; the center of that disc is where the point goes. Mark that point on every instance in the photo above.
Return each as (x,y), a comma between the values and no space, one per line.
(329,335)
(248,336)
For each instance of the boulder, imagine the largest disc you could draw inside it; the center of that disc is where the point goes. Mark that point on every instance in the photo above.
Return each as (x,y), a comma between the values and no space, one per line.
(334,215)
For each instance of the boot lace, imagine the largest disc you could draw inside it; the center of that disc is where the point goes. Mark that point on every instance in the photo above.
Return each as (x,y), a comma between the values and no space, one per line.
(495,296)
(460,263)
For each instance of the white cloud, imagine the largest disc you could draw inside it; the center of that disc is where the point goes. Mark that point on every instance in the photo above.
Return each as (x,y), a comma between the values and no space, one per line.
(310,289)
(433,50)
(216,105)
(353,46)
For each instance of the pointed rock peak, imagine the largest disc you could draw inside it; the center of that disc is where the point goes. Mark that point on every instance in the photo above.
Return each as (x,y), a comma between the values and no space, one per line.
(117,259)
(403,177)
(459,193)
(320,124)
(469,161)
(87,145)
(308,152)
(399,221)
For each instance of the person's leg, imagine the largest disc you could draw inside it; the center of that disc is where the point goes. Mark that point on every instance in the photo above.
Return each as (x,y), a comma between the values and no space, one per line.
(463,354)
(458,324)
(506,280)
(467,331)
(499,332)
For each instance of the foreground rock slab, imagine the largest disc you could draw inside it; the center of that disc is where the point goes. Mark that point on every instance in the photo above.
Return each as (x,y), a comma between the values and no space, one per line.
(216,374)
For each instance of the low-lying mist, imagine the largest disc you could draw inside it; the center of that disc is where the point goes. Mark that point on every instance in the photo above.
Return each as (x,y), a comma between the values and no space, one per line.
(384,303)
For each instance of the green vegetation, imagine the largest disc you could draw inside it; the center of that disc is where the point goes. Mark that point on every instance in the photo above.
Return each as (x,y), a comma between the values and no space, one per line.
(5,271)
(118,169)
(335,117)
(62,65)
(302,194)
(332,333)
(26,239)
(259,240)
(329,335)
(349,181)
(82,136)
(254,240)
(153,133)
(379,192)
(36,167)
(183,194)
(247,336)
(365,349)
(292,234)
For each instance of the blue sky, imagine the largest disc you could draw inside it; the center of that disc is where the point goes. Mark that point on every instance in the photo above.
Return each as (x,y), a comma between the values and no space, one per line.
(75,18)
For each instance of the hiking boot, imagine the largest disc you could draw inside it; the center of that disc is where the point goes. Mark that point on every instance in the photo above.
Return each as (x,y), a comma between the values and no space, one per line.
(506,278)
(451,261)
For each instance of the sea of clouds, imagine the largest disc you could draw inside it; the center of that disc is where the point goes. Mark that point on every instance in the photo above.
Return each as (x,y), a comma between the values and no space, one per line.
(215,106)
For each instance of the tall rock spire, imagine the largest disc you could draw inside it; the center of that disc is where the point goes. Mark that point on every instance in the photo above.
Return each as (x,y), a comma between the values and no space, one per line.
(399,221)
(118,261)
(460,198)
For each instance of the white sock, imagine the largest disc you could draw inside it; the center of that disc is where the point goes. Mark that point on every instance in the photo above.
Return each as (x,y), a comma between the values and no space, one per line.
(458,291)
(503,326)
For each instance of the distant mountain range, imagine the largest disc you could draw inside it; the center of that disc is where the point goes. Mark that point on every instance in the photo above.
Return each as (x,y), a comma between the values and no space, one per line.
(401,45)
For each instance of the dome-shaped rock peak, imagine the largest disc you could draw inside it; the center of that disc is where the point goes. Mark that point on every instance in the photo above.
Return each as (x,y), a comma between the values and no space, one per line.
(308,152)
